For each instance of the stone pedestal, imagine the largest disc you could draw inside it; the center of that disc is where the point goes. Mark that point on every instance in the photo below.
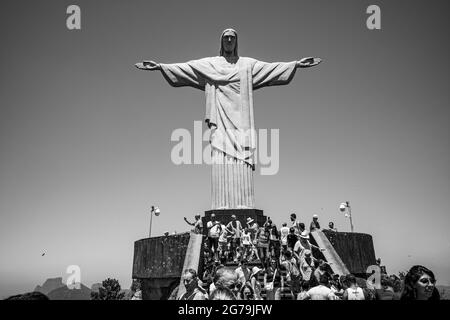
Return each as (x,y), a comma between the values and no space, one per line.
(224,216)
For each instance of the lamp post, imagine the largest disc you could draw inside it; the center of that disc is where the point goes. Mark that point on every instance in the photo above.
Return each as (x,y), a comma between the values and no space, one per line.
(156,211)
(343,207)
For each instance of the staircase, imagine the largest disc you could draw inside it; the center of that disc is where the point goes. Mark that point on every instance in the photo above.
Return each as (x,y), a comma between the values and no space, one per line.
(193,254)
(285,293)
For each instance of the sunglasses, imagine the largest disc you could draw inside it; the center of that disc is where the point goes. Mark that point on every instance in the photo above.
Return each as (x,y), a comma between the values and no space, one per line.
(235,286)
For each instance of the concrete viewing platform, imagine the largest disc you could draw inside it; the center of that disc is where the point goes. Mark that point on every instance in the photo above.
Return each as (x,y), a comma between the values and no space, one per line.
(158,262)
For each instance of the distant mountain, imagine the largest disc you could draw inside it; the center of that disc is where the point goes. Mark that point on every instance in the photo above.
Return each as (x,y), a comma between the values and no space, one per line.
(444,291)
(64,293)
(95,287)
(50,285)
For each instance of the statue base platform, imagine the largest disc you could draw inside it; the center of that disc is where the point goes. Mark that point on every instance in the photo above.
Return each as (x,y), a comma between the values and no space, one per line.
(158,261)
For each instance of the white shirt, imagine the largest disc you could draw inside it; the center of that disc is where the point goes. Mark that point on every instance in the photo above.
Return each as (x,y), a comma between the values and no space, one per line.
(223,235)
(295,225)
(237,230)
(213,230)
(301,245)
(241,274)
(284,231)
(245,238)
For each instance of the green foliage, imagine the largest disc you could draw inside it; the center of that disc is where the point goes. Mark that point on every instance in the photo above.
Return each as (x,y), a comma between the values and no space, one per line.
(110,290)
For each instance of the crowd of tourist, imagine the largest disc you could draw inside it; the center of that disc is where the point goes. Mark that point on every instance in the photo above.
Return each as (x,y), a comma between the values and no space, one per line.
(274,263)
(234,242)
(245,283)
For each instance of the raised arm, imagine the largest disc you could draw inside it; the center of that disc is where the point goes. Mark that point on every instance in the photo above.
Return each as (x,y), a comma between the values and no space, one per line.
(189,223)
(318,248)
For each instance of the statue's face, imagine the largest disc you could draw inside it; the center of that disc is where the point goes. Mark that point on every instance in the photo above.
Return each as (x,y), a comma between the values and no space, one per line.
(229,42)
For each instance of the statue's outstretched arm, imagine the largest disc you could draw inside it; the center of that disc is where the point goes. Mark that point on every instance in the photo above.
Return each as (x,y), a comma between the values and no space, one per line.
(148,65)
(177,74)
(308,62)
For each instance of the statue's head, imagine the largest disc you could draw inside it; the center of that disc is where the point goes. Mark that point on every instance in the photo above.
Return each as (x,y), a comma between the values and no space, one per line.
(228,43)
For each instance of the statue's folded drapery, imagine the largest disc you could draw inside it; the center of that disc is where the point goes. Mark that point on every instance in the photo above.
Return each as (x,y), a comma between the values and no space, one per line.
(229,96)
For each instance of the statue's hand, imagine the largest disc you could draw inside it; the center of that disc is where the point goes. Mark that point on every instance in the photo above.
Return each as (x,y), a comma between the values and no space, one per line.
(308,62)
(148,65)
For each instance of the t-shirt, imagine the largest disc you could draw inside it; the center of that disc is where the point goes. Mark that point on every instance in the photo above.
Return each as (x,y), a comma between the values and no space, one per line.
(291,240)
(269,277)
(291,267)
(236,227)
(223,235)
(273,233)
(284,232)
(314,225)
(320,292)
(306,268)
(214,230)
(243,274)
(253,230)
(245,238)
(301,245)
(317,273)
(355,294)
(296,226)
(263,238)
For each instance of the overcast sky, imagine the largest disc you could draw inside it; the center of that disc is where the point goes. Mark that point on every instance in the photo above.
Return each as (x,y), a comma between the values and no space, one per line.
(85,137)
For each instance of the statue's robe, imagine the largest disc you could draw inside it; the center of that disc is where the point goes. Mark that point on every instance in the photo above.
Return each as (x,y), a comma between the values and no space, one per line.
(229,114)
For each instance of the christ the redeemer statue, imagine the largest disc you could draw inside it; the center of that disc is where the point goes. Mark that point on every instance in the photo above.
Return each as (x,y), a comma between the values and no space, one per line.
(229,81)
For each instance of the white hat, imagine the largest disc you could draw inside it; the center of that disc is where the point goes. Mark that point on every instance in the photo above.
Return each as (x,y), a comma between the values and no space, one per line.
(304,235)
(315,216)
(250,220)
(255,270)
